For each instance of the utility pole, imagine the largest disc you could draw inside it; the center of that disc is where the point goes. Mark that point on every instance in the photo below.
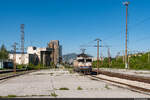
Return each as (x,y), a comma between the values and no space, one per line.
(148,55)
(123,57)
(97,54)
(53,55)
(126,55)
(129,59)
(109,56)
(22,43)
(101,53)
(14,57)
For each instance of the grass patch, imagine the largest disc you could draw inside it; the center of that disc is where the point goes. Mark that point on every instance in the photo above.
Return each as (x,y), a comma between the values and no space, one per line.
(11,96)
(54,94)
(107,87)
(79,88)
(64,88)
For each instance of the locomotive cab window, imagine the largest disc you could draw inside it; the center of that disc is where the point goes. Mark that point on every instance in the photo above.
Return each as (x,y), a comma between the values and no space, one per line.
(88,60)
(80,60)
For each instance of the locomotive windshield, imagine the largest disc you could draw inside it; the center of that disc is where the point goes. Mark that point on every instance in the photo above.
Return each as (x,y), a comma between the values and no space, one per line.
(88,60)
(80,60)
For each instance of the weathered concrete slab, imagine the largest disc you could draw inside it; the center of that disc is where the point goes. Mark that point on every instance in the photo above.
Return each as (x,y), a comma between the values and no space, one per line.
(45,82)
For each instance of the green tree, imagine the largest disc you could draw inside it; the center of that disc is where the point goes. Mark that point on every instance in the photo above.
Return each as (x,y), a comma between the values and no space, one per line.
(3,52)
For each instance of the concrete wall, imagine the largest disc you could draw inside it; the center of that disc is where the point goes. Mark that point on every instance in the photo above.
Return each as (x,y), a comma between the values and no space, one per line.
(34,50)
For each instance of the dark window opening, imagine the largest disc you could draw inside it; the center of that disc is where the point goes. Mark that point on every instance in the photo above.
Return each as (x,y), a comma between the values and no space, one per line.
(80,60)
(88,60)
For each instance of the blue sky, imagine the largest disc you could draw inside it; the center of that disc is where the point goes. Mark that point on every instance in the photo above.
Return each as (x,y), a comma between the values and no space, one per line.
(75,23)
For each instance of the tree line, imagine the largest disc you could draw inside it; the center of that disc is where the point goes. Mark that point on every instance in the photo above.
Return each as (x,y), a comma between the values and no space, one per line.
(4,54)
(135,61)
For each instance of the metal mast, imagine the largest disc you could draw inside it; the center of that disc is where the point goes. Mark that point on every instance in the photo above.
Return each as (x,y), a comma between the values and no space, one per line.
(97,54)
(109,58)
(101,52)
(22,43)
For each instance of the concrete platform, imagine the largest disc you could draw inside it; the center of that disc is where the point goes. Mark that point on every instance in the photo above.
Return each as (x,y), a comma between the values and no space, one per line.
(44,83)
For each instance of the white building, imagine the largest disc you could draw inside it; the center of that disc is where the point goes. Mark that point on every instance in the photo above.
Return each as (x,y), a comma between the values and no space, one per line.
(34,50)
(18,57)
(32,54)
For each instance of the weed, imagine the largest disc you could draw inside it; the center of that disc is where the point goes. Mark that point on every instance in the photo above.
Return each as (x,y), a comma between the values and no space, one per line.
(79,88)
(11,96)
(54,94)
(106,86)
(64,88)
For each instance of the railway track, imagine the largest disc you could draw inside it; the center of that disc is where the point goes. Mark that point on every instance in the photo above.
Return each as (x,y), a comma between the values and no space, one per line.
(9,71)
(125,76)
(131,82)
(7,75)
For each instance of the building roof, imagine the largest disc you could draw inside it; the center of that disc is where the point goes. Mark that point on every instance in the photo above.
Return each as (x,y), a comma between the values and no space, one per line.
(11,52)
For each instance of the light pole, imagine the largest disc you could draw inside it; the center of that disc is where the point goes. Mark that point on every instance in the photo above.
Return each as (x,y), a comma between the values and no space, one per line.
(126,55)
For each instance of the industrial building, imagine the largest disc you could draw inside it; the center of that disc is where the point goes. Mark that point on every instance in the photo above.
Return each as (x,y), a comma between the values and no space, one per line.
(34,55)
(57,51)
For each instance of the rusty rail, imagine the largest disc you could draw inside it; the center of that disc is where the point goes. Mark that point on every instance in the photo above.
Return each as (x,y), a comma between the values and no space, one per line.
(125,76)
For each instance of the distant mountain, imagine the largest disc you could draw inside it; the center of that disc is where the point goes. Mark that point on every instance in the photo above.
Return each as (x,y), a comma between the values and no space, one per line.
(69,57)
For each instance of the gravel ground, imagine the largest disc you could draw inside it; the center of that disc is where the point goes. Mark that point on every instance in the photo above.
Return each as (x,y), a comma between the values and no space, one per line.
(47,83)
